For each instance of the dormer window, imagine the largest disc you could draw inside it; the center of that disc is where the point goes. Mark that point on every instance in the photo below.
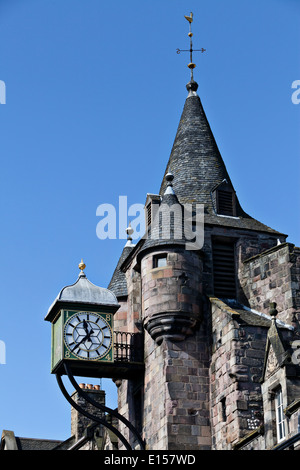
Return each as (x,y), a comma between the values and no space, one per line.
(151,199)
(148,215)
(224,199)
(226,202)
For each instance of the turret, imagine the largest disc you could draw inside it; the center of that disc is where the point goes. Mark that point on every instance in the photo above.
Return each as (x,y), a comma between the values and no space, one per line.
(171,275)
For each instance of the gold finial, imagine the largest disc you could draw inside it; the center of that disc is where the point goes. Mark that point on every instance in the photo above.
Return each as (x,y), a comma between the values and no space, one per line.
(189,18)
(81,265)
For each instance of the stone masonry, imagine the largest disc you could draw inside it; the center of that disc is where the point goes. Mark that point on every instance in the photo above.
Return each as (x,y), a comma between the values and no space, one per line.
(205,384)
(273,276)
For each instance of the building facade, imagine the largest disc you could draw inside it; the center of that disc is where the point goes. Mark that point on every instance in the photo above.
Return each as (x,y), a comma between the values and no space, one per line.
(220,316)
(215,296)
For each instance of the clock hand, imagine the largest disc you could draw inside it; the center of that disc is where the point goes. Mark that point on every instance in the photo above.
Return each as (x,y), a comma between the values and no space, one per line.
(85,338)
(78,344)
(89,334)
(85,326)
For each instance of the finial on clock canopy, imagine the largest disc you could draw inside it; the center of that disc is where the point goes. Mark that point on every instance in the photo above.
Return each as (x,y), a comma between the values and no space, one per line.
(81,265)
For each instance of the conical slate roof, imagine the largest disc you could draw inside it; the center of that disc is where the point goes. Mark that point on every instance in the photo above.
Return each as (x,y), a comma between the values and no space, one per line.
(198,167)
(167,226)
(118,284)
(195,160)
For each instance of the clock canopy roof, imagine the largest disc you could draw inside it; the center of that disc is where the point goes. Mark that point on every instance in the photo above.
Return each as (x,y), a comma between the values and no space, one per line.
(82,294)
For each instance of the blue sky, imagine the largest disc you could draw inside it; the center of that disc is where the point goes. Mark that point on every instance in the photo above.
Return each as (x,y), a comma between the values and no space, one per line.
(94,94)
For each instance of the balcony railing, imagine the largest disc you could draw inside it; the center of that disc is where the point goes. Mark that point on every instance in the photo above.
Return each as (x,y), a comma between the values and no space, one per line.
(128,347)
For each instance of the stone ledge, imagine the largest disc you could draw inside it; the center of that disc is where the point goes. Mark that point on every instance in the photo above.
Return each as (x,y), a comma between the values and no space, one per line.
(249,437)
(271,250)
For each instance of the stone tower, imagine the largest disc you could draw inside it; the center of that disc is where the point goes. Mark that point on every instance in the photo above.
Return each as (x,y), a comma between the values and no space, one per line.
(204,309)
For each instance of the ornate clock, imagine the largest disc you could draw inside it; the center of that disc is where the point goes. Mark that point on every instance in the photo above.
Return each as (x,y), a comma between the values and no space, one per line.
(82,328)
(88,335)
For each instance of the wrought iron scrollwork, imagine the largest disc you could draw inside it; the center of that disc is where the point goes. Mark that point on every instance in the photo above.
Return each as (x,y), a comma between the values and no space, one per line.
(96,419)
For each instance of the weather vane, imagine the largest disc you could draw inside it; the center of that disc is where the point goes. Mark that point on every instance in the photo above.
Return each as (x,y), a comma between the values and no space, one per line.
(191,65)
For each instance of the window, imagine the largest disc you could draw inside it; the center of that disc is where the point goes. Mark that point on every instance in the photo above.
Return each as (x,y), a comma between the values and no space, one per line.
(280,425)
(223,408)
(159,261)
(152,199)
(224,269)
(148,212)
(225,202)
(224,199)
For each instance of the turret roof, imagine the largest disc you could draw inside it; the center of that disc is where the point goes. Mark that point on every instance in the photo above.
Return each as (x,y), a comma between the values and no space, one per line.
(198,167)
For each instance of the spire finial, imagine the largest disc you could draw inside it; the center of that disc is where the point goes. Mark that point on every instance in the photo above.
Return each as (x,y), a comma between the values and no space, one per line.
(169,178)
(191,65)
(129,232)
(273,311)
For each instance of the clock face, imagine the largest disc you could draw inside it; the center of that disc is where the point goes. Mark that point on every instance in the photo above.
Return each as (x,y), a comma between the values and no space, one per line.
(87,335)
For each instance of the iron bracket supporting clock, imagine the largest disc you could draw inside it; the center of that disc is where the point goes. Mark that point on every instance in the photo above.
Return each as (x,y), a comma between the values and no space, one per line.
(82,319)
(105,409)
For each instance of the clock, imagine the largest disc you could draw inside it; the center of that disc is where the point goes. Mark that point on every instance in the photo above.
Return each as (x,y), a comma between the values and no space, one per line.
(83,338)
(87,336)
(82,329)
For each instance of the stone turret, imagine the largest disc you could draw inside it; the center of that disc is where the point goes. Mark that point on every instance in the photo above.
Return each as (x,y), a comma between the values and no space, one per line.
(171,275)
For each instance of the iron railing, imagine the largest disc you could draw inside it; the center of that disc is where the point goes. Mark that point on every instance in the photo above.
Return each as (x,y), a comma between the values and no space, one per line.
(128,347)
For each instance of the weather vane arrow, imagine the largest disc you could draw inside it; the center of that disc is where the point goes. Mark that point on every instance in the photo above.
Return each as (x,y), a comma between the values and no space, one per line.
(191,65)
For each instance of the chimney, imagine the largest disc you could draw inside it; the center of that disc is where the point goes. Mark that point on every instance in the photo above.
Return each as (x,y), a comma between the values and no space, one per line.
(79,422)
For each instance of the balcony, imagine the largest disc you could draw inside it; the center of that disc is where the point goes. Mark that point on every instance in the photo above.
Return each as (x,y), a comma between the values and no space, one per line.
(128,347)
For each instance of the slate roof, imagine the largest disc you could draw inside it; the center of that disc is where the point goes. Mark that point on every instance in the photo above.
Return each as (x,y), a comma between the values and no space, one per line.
(166,228)
(11,442)
(26,443)
(198,167)
(118,284)
(247,315)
